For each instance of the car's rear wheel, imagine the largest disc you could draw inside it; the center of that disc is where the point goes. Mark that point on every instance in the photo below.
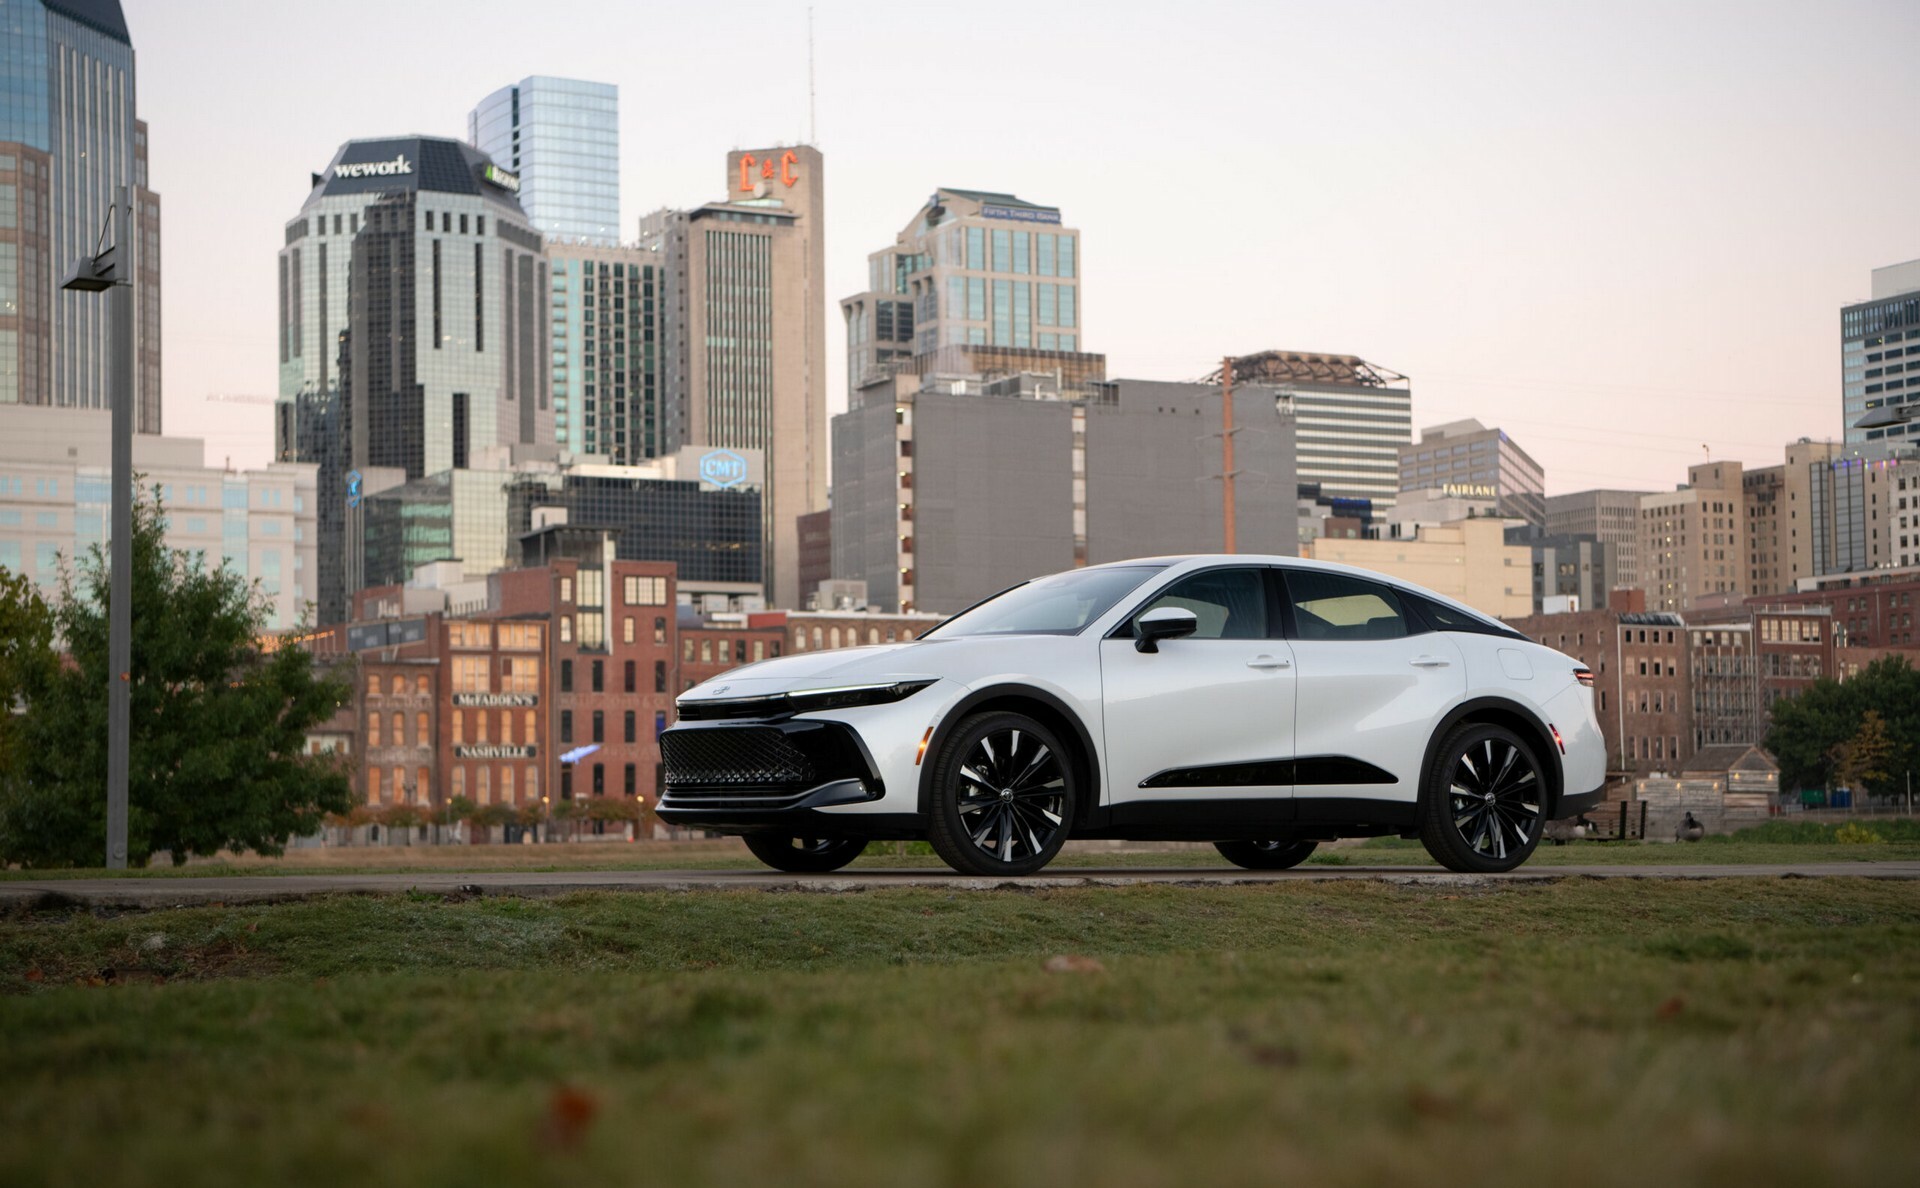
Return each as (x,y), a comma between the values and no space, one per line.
(1265,855)
(805,855)
(1003,796)
(1486,801)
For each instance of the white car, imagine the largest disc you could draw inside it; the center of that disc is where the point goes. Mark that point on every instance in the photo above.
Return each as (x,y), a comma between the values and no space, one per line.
(1265,704)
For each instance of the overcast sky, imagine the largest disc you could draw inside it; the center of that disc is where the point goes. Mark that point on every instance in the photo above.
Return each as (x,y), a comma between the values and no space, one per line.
(1620,231)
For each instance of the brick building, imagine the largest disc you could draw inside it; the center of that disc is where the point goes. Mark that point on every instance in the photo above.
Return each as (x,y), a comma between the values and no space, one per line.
(1642,678)
(610,632)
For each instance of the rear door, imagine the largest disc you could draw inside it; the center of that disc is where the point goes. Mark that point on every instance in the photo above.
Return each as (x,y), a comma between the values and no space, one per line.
(1373,680)
(1206,717)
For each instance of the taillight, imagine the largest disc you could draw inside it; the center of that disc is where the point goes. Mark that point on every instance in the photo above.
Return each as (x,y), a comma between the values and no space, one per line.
(1584,675)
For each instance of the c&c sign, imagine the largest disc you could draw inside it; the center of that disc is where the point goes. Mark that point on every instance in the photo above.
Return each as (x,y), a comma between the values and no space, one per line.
(788,171)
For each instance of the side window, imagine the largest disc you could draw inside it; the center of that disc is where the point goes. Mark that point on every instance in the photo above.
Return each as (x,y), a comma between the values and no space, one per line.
(1229,603)
(1335,606)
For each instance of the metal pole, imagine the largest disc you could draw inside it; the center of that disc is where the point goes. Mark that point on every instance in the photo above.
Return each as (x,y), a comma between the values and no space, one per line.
(1227,509)
(120,576)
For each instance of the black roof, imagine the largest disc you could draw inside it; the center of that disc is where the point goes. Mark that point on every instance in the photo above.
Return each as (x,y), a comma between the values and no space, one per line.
(102,16)
(426,163)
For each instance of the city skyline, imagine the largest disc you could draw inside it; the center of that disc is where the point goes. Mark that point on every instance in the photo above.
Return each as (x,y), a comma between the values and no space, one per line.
(1620,255)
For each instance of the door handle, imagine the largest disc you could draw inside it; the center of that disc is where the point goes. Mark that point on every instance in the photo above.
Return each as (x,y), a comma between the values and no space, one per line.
(1429,662)
(1264,661)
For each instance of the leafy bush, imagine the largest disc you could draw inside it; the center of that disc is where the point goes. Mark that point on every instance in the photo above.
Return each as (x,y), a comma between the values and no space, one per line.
(1857,835)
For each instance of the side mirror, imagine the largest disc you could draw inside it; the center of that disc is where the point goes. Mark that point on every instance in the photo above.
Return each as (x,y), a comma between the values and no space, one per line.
(1164,622)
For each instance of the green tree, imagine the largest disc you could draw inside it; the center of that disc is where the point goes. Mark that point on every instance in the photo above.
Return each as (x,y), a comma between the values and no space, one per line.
(27,659)
(218,721)
(1813,734)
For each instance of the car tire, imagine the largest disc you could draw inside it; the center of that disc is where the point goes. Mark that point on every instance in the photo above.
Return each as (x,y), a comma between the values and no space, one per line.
(1004,794)
(1485,803)
(804,855)
(1265,855)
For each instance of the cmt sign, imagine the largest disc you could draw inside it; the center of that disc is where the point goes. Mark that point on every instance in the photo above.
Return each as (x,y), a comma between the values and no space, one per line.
(788,171)
(723,468)
(354,483)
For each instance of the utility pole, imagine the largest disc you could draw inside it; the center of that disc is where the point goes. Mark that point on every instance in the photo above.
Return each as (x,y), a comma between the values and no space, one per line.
(1228,512)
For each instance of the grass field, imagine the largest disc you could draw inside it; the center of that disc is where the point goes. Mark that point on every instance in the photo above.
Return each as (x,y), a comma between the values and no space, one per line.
(1731,1032)
(1775,843)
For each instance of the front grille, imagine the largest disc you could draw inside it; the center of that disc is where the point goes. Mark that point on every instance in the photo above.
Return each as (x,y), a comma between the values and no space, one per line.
(738,757)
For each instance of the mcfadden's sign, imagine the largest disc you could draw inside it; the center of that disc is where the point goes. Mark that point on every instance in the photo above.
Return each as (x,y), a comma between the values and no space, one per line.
(393,168)
(496,700)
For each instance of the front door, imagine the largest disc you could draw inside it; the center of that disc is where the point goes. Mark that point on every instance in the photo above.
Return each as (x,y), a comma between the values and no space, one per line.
(1208,717)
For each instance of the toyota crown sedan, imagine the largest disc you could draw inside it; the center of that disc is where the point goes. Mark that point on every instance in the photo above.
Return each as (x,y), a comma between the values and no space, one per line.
(1264,704)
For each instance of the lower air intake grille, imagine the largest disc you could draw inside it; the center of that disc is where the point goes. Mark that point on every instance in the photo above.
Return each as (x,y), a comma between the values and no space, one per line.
(743,757)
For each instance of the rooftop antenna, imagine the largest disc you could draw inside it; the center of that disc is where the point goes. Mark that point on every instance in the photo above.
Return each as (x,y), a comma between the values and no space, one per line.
(813,126)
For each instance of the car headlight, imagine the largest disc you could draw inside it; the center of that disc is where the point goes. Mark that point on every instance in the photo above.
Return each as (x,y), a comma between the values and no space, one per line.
(805,701)
(798,702)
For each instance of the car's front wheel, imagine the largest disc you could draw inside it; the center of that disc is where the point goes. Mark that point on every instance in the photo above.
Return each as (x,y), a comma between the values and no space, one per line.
(1003,796)
(1485,802)
(804,855)
(1265,855)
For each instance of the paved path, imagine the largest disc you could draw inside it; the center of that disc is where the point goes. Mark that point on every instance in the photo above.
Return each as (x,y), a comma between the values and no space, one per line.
(177,892)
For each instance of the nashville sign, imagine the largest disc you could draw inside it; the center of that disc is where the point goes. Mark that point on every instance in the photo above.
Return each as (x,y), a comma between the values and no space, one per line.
(496,700)
(392,168)
(486,752)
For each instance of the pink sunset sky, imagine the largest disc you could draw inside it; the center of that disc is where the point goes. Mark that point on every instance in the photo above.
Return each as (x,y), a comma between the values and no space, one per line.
(1619,231)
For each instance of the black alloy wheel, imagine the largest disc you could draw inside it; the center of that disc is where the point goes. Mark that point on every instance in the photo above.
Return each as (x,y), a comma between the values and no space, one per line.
(1265,855)
(1486,801)
(804,855)
(1003,796)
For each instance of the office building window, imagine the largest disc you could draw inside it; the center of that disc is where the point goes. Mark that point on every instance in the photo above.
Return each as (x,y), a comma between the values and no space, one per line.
(631,721)
(976,249)
(566,726)
(660,676)
(599,726)
(566,676)
(1003,251)
(1044,250)
(599,676)
(1020,259)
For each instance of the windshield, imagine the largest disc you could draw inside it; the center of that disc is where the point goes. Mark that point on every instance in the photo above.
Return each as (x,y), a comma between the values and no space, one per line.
(1058,605)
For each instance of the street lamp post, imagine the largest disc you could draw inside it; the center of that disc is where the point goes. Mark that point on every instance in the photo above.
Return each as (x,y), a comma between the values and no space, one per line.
(112,269)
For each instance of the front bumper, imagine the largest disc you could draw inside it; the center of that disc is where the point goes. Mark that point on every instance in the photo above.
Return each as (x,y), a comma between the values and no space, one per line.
(776,775)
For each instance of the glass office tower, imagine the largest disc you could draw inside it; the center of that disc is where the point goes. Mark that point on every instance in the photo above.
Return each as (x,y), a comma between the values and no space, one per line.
(68,140)
(562,137)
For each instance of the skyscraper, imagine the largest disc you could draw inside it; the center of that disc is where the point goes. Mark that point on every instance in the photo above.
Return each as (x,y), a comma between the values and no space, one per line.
(1467,456)
(608,303)
(413,326)
(972,267)
(1609,516)
(1351,417)
(69,138)
(1879,346)
(561,137)
(744,358)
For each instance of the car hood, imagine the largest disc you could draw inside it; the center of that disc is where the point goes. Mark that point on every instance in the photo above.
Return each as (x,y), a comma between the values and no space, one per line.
(962,659)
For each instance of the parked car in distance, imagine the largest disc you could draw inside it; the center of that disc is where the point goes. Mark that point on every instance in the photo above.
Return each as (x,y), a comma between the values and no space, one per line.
(1265,704)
